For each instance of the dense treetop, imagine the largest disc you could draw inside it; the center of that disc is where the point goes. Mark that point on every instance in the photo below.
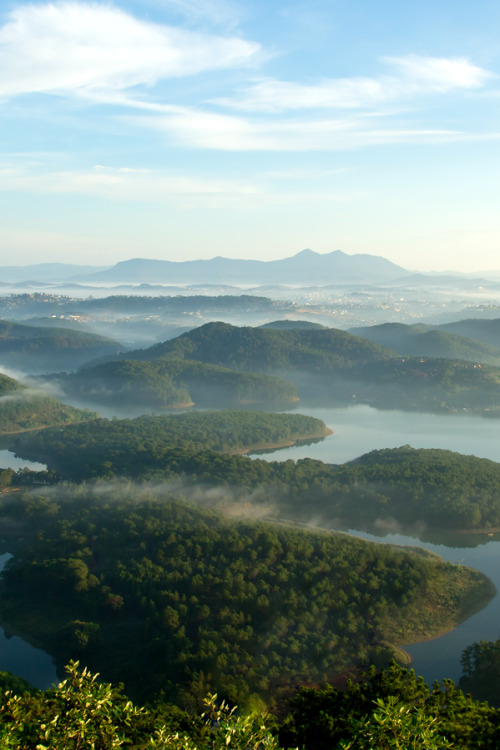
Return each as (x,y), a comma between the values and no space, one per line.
(137,446)
(433,487)
(481,671)
(172,382)
(170,598)
(267,349)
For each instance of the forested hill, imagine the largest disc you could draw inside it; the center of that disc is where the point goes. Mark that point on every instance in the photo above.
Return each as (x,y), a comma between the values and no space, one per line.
(332,367)
(8,385)
(479,329)
(268,350)
(176,601)
(38,348)
(429,341)
(137,447)
(173,382)
(417,488)
(25,408)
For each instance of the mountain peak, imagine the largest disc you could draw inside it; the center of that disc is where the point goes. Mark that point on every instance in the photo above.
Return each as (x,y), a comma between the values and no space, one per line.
(305,253)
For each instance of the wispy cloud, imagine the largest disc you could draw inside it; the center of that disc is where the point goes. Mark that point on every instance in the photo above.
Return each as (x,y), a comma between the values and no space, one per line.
(75,46)
(412,75)
(100,53)
(202,129)
(143,185)
(159,187)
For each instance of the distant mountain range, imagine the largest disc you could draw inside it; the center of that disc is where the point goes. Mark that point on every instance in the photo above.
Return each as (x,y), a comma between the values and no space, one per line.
(304,268)
(43,272)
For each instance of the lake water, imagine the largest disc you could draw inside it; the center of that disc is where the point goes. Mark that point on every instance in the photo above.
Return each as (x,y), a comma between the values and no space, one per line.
(360,429)
(9,461)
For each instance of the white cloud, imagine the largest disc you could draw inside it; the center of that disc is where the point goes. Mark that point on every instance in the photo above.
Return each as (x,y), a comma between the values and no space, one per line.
(75,46)
(202,129)
(415,75)
(441,74)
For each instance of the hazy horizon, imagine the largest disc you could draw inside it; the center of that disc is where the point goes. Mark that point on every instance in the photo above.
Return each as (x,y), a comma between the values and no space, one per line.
(186,130)
(451,270)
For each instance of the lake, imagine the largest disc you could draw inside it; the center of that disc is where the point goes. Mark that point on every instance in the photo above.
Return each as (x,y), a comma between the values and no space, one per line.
(9,461)
(359,429)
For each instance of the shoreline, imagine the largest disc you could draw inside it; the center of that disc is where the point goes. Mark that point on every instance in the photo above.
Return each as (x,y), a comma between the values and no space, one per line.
(277,445)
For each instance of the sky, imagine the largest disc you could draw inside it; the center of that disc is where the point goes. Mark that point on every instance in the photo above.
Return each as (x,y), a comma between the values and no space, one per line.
(185,129)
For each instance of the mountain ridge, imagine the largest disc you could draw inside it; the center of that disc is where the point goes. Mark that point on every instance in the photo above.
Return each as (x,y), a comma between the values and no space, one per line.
(306,265)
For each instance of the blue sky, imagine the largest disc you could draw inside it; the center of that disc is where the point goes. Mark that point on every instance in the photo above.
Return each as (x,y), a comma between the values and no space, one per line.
(184,129)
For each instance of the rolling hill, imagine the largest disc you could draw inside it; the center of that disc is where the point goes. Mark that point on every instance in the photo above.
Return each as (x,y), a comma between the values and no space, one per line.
(37,349)
(436,341)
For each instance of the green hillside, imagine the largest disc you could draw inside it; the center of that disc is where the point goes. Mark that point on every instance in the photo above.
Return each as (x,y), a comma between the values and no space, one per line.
(426,383)
(332,367)
(174,382)
(38,348)
(136,447)
(26,408)
(285,325)
(441,489)
(265,350)
(8,385)
(20,337)
(34,409)
(430,341)
(178,601)
(479,329)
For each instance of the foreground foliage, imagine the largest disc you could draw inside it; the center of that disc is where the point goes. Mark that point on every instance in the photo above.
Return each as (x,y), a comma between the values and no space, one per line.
(83,713)
(388,710)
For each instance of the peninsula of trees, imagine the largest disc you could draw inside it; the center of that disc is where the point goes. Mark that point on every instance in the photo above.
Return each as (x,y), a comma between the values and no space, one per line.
(176,600)
(417,488)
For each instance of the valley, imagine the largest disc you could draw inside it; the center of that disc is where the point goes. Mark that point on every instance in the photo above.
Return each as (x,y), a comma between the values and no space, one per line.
(167,462)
